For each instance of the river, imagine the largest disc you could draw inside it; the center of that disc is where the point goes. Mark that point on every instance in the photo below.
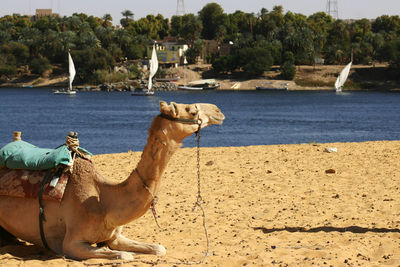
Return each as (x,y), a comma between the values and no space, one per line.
(113,122)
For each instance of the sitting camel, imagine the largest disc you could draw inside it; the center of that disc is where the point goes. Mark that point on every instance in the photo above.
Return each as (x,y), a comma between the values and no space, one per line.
(94,210)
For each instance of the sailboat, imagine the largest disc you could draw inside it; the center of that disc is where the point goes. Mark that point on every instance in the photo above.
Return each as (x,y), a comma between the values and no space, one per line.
(341,79)
(153,69)
(71,77)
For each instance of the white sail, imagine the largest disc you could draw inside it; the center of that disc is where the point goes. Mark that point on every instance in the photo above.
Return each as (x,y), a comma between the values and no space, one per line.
(72,71)
(153,68)
(341,79)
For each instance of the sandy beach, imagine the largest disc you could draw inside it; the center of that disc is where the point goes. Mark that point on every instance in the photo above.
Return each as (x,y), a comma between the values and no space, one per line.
(279,205)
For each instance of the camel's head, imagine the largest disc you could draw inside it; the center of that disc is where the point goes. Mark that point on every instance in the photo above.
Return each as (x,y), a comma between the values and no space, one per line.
(188,115)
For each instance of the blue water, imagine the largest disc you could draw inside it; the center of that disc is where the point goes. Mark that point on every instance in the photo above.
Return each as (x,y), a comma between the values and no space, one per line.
(112,122)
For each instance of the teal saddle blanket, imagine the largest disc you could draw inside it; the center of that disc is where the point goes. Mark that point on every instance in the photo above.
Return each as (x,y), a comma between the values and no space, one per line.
(23,155)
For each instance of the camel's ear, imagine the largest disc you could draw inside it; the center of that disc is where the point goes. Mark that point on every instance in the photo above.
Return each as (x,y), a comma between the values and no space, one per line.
(163,106)
(174,109)
(168,109)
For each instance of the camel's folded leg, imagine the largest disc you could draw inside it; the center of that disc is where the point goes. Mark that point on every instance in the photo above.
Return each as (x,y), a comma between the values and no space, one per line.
(82,251)
(126,244)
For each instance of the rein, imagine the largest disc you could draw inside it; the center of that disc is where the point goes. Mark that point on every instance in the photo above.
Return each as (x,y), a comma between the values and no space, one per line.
(199,202)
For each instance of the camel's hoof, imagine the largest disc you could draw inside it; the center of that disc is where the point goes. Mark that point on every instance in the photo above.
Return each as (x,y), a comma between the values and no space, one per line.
(126,256)
(159,250)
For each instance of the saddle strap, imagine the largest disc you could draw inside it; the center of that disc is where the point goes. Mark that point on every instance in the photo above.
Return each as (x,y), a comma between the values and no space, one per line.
(42,218)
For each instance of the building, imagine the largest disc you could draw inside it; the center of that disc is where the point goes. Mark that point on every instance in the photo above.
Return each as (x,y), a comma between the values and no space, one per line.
(40,13)
(169,52)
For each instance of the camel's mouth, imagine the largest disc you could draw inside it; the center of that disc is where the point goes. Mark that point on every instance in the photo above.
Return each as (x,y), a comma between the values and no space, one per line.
(217,119)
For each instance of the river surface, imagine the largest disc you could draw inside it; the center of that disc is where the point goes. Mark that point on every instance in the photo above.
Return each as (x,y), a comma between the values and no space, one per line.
(113,122)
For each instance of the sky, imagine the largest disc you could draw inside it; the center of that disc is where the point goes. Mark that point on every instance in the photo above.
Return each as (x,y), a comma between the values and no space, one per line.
(347,9)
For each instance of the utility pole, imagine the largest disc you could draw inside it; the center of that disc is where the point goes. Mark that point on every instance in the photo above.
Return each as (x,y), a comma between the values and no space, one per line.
(332,8)
(180,8)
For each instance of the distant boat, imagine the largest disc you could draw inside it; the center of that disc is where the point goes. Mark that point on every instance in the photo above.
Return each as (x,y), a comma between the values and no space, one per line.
(199,85)
(341,79)
(153,70)
(71,77)
(270,86)
(30,85)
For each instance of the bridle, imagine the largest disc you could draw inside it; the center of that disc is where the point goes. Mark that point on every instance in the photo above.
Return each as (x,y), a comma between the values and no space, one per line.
(197,121)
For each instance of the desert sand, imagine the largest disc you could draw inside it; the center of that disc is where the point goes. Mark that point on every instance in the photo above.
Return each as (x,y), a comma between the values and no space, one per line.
(278,205)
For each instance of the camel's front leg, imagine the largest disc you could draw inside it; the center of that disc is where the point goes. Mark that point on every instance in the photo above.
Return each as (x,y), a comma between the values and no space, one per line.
(82,250)
(126,244)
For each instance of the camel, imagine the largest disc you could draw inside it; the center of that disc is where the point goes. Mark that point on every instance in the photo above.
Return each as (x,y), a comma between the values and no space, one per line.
(94,210)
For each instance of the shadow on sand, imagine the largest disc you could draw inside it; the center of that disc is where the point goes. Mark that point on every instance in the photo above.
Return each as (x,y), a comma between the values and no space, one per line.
(328,229)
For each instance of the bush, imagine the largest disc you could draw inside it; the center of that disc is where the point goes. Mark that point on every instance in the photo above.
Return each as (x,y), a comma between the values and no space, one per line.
(7,70)
(134,72)
(191,55)
(288,56)
(88,61)
(40,65)
(254,61)
(288,70)
(103,76)
(225,64)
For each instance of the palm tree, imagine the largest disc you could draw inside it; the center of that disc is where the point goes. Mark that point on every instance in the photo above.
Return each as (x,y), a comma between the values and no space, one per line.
(107,20)
(128,16)
(89,40)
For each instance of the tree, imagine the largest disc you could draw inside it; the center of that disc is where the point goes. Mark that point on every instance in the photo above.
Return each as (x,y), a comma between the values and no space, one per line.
(40,65)
(225,64)
(392,53)
(212,16)
(187,27)
(195,51)
(288,69)
(128,16)
(320,23)
(298,38)
(32,38)
(389,26)
(107,20)
(254,61)
(90,60)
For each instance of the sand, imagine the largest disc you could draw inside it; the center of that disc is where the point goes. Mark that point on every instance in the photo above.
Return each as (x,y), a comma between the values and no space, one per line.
(280,205)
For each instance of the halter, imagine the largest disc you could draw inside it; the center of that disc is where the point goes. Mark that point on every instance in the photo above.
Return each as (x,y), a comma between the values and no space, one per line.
(181,120)
(197,121)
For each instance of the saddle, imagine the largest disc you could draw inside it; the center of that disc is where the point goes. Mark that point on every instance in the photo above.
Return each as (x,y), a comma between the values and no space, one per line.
(25,168)
(26,184)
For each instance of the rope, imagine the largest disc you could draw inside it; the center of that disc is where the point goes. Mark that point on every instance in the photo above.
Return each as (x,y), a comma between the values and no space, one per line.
(72,142)
(154,200)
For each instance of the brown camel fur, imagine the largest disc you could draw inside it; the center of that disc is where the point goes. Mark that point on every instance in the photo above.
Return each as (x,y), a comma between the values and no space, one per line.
(94,210)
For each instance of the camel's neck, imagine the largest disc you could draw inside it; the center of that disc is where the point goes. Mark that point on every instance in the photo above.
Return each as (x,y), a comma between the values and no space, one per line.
(134,196)
(161,145)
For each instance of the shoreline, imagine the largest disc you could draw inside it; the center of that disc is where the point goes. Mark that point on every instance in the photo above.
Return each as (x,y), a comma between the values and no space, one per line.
(321,77)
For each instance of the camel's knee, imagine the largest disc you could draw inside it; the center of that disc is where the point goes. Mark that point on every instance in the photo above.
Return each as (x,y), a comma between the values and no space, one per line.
(159,250)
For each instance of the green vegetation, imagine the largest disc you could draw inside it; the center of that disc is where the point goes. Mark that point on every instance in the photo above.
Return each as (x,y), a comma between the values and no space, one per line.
(257,41)
(288,69)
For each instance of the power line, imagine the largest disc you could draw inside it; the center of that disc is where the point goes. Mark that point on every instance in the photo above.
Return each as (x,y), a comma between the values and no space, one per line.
(332,8)
(180,8)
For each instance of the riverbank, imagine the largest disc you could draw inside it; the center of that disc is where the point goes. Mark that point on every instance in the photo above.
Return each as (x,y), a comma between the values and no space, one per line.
(321,77)
(284,205)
